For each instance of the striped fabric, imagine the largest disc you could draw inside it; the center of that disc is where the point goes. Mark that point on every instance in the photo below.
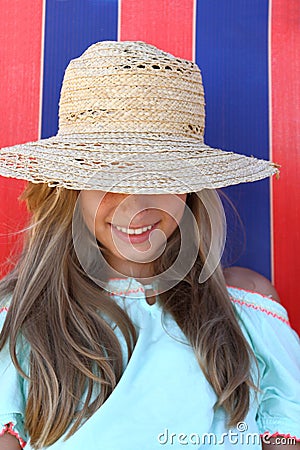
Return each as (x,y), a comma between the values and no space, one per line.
(248,51)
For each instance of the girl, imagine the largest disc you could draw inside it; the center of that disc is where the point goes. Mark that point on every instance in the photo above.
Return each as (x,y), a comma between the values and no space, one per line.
(118,328)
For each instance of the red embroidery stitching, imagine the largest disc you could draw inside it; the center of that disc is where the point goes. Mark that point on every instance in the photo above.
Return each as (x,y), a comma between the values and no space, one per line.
(267,433)
(130,291)
(253,292)
(8,428)
(5,308)
(259,308)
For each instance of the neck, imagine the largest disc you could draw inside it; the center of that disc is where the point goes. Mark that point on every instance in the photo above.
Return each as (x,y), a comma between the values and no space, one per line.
(140,271)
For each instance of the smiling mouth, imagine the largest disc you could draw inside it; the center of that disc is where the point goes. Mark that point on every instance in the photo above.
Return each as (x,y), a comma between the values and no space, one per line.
(134,231)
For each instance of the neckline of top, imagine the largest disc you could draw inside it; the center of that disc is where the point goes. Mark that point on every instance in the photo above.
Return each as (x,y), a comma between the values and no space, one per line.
(131,288)
(132,282)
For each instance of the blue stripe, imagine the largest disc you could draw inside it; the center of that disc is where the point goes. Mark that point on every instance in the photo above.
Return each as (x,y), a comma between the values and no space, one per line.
(70,27)
(232,51)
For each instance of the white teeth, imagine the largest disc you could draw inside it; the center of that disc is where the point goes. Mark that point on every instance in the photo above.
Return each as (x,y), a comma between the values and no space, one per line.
(134,231)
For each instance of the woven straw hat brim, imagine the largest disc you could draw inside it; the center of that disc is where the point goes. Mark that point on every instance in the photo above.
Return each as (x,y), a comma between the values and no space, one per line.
(127,163)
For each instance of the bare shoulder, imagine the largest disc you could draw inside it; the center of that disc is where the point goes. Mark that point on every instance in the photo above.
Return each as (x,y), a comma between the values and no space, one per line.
(248,279)
(9,442)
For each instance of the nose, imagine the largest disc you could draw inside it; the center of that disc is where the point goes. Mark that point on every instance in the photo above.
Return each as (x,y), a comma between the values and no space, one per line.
(134,201)
(133,210)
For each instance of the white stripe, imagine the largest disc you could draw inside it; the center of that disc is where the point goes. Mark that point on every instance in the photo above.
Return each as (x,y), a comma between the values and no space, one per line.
(270,137)
(42,68)
(119,19)
(194,25)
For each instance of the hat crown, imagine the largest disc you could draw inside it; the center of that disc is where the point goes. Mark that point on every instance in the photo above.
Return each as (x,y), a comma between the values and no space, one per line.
(131,87)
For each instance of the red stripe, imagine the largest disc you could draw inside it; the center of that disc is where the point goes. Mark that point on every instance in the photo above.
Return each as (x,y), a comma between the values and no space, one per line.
(285,75)
(20,56)
(169,25)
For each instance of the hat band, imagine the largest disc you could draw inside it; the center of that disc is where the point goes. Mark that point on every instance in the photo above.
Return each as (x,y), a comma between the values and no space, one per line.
(91,121)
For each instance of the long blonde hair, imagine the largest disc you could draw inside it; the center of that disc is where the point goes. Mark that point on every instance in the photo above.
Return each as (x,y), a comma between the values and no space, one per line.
(57,315)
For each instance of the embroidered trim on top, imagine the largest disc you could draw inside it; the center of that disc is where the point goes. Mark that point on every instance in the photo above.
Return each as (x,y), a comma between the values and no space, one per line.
(130,291)
(4,309)
(253,292)
(259,308)
(9,428)
(287,436)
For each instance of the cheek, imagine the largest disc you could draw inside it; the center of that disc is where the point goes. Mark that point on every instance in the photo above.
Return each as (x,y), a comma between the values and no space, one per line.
(182,198)
(174,209)
(91,203)
(177,205)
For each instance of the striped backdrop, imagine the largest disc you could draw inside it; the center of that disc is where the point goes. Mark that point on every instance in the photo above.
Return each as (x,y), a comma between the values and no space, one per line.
(249,53)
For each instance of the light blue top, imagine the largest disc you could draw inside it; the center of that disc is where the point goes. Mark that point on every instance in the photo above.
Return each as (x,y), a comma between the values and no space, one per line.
(163,399)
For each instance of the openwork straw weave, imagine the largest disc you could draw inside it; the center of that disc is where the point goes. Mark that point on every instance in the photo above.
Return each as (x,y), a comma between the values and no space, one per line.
(131,120)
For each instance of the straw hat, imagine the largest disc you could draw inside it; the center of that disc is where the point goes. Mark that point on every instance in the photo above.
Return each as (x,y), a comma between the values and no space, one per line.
(131,120)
